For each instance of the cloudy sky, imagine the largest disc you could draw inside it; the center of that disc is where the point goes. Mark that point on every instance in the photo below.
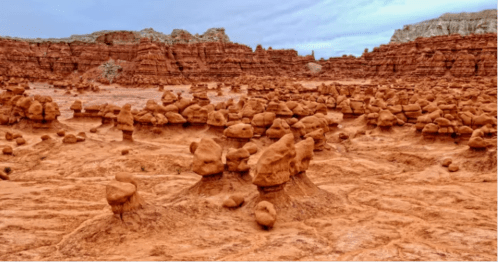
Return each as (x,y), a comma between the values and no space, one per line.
(329,27)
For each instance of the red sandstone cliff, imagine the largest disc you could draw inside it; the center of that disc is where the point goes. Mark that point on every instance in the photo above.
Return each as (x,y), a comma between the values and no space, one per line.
(138,60)
(132,58)
(455,55)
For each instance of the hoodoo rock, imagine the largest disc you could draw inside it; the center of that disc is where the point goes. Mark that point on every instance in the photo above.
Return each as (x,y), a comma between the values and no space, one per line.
(122,194)
(207,158)
(125,122)
(237,160)
(276,163)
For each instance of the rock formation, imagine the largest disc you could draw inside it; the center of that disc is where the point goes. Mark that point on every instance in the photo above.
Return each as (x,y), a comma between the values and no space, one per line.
(125,122)
(122,194)
(447,24)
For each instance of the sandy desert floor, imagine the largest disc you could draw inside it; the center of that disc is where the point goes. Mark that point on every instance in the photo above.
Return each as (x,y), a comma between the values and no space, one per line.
(388,197)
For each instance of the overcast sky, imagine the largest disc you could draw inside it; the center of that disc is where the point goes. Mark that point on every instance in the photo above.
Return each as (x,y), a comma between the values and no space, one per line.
(330,27)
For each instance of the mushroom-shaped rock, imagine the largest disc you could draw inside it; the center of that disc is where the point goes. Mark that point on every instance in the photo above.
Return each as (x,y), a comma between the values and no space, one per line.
(207,158)
(35,111)
(477,143)
(274,166)
(175,118)
(77,106)
(237,160)
(51,111)
(318,137)
(216,118)
(278,129)
(265,214)
(263,119)
(196,114)
(251,148)
(125,119)
(234,201)
(430,130)
(168,98)
(239,131)
(304,154)
(125,122)
(123,197)
(386,119)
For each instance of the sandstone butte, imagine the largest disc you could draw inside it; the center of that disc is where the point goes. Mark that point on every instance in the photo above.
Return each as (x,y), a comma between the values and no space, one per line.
(152,58)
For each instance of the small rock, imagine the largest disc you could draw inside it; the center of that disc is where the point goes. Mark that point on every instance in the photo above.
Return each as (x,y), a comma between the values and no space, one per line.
(70,139)
(7,150)
(447,162)
(265,214)
(453,168)
(4,176)
(82,134)
(343,136)
(80,138)
(93,130)
(125,152)
(20,141)
(61,133)
(157,131)
(234,201)
(193,147)
(16,135)
(45,137)
(9,136)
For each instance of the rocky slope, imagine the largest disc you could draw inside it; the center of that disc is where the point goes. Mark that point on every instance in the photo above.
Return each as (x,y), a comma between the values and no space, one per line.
(462,23)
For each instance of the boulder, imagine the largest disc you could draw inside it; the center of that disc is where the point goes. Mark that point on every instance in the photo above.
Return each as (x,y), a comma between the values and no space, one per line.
(239,131)
(265,214)
(278,129)
(274,166)
(207,158)
(237,160)
(234,201)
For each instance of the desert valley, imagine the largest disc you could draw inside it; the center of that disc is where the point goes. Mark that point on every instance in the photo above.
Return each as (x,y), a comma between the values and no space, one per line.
(137,145)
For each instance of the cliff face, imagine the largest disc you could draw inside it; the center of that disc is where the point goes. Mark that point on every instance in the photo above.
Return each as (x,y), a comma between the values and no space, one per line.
(145,57)
(149,58)
(454,55)
(463,24)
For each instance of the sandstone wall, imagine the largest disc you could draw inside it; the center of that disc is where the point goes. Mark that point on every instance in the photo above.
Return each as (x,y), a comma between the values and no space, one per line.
(453,55)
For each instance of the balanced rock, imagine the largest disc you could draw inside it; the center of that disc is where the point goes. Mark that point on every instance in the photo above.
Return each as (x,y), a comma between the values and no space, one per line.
(122,195)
